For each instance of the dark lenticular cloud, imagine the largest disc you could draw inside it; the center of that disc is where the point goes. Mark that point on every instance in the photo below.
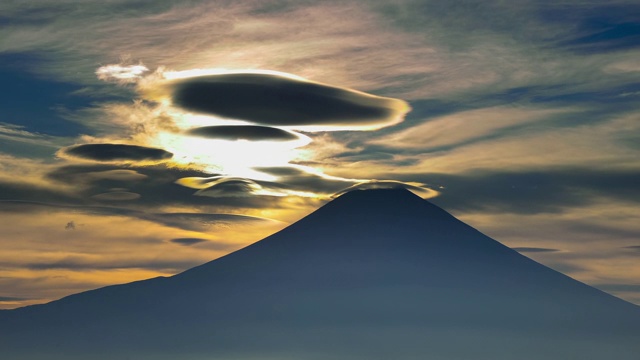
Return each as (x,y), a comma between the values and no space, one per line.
(243,132)
(116,152)
(388,184)
(277,100)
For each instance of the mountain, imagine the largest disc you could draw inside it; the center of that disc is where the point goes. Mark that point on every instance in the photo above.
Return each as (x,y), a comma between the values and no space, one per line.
(374,274)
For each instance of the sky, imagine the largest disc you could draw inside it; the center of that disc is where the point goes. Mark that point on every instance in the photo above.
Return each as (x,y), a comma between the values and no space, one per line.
(140,138)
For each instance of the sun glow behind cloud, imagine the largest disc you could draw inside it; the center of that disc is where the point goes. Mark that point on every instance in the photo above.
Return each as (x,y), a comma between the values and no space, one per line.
(191,135)
(229,157)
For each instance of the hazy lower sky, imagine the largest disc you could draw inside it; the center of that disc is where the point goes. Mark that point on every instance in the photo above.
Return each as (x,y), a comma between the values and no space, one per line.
(139,138)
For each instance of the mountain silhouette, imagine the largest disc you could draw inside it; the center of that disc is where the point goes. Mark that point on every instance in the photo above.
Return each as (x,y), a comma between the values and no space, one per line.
(374,274)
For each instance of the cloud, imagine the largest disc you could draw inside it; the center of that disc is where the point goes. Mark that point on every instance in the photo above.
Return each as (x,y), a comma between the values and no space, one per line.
(305,179)
(32,191)
(124,175)
(607,27)
(417,188)
(204,221)
(269,99)
(112,174)
(214,245)
(227,186)
(467,127)
(115,153)
(552,189)
(120,73)
(244,132)
(16,140)
(303,38)
(17,131)
(191,221)
(222,186)
(602,143)
(534,250)
(423,48)
(117,196)
(156,185)
(292,180)
(187,241)
(147,184)
(85,263)
(11,299)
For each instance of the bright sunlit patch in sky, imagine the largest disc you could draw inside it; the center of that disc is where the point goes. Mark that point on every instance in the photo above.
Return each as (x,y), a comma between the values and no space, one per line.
(121,73)
(237,158)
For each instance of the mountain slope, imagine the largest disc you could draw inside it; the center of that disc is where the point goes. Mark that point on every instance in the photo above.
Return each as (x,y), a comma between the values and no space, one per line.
(374,274)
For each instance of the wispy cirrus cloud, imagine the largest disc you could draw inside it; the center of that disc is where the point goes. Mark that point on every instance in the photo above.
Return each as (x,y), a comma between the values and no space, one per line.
(470,126)
(548,142)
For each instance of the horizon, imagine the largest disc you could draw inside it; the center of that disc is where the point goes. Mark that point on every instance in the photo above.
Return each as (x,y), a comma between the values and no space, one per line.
(140,139)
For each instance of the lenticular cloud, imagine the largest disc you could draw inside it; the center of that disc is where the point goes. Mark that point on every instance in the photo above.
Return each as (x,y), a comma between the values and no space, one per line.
(115,152)
(273,100)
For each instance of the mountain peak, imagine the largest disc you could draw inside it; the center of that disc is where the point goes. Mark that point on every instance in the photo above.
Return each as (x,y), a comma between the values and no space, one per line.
(381,196)
(392,202)
(373,274)
(377,191)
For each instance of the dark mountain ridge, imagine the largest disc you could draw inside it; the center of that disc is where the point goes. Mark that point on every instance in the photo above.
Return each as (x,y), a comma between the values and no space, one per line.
(374,274)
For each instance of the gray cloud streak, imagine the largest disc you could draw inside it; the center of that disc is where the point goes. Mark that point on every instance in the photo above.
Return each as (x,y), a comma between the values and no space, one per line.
(187,241)
(196,221)
(83,264)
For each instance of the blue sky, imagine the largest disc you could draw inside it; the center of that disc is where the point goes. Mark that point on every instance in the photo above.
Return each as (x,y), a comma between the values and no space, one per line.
(521,118)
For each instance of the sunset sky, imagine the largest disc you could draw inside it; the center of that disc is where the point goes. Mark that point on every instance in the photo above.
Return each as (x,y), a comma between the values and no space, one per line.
(140,138)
